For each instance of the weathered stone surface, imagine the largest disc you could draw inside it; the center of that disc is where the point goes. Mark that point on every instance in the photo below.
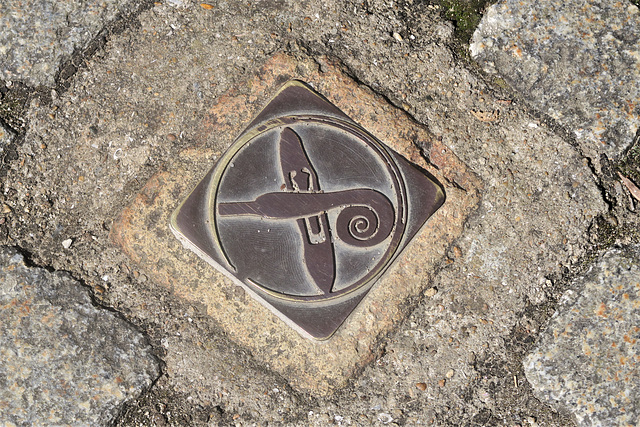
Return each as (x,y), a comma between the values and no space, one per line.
(64,361)
(588,360)
(133,109)
(576,61)
(36,35)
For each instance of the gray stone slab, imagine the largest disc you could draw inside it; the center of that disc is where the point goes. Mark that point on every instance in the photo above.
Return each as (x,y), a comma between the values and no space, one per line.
(64,361)
(588,360)
(577,61)
(36,35)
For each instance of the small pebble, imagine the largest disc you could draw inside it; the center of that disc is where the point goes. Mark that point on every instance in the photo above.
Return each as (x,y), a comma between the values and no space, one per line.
(449,373)
(442,382)
(172,137)
(421,386)
(397,36)
(431,292)
(385,418)
(5,208)
(67,243)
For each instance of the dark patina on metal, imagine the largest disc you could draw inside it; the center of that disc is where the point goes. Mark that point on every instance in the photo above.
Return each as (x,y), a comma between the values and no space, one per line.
(306,210)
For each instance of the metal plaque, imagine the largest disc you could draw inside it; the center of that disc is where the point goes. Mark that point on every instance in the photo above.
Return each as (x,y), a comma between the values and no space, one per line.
(306,210)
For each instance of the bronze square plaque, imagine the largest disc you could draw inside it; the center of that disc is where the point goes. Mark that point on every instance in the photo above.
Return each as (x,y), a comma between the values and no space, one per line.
(309,365)
(306,210)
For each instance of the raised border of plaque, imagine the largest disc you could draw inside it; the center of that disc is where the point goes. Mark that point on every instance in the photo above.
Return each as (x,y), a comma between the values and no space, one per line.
(306,210)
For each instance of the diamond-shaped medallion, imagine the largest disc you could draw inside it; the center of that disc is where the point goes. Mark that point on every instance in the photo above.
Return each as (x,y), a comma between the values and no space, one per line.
(306,210)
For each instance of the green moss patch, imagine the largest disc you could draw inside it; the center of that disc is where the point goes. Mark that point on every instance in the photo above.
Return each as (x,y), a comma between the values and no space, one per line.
(465,14)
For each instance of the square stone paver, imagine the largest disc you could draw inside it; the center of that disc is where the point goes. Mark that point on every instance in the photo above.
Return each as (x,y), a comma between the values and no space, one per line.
(318,367)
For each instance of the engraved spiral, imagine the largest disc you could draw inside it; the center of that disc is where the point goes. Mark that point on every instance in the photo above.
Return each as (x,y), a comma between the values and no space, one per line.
(360,226)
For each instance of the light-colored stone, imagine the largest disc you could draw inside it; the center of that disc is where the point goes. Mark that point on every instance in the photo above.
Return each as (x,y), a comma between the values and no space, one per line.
(588,360)
(577,61)
(64,361)
(37,35)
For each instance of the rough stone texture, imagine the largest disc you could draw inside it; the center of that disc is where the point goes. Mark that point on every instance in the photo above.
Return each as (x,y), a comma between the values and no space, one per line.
(145,98)
(5,138)
(64,361)
(588,360)
(37,35)
(576,61)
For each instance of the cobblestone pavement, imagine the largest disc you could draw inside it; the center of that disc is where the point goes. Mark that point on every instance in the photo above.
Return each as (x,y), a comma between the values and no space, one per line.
(516,305)
(588,358)
(64,360)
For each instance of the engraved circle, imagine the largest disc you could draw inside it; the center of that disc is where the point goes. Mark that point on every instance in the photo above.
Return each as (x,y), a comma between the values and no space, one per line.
(273,215)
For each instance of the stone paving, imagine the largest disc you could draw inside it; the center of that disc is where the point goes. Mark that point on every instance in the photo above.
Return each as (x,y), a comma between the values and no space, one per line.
(528,317)
(64,361)
(579,63)
(588,359)
(37,36)
(576,61)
